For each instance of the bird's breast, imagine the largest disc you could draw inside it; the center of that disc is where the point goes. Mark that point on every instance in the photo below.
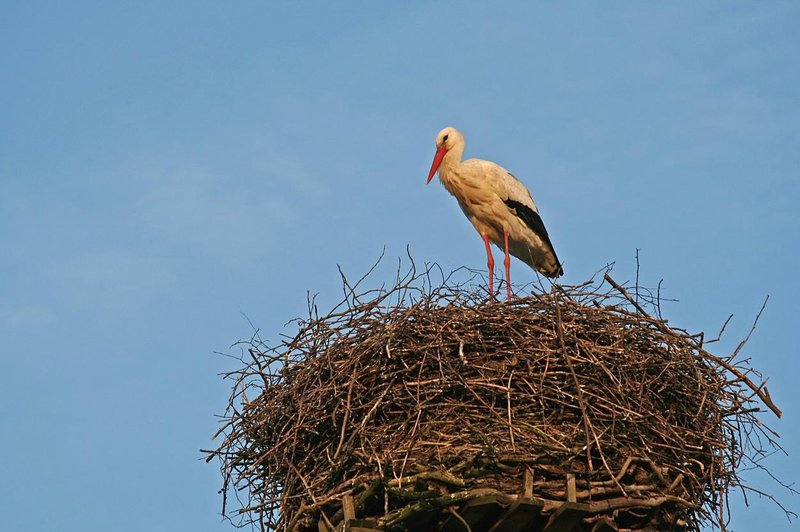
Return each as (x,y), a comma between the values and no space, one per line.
(478,202)
(470,192)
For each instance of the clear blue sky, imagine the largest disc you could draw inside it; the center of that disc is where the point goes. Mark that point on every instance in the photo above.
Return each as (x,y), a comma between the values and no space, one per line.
(166,167)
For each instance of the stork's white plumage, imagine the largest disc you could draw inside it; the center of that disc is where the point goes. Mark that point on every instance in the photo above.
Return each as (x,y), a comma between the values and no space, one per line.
(498,205)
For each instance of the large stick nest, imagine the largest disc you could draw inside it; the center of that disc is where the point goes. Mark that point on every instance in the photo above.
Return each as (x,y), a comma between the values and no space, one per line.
(414,393)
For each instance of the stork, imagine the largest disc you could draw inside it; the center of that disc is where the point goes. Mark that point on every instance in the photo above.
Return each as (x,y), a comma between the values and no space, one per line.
(500,208)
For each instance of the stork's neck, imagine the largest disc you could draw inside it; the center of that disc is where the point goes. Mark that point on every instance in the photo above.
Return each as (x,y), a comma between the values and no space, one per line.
(452,159)
(449,171)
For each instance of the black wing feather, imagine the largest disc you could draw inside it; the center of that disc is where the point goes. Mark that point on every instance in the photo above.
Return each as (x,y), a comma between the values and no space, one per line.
(534,221)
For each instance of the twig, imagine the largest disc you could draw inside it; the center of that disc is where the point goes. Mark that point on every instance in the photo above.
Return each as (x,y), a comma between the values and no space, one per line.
(346,415)
(759,390)
(750,332)
(452,511)
(508,407)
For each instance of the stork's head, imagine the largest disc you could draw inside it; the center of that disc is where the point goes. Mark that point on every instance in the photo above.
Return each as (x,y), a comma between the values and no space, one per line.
(447,139)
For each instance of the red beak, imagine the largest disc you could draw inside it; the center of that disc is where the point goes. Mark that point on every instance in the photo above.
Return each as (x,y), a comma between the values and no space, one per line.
(437,160)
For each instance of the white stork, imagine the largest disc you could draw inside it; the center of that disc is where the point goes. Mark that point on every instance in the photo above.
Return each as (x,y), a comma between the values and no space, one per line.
(498,205)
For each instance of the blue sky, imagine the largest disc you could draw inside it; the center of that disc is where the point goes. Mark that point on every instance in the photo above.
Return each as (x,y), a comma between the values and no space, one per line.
(166,168)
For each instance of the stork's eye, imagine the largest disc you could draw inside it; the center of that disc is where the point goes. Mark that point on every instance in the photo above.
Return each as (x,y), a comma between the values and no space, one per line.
(445,138)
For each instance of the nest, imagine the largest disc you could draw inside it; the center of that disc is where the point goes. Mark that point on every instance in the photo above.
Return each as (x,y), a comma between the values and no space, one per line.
(409,407)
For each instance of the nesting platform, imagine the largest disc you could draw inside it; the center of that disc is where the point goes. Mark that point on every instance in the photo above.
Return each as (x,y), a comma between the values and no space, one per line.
(419,408)
(488,509)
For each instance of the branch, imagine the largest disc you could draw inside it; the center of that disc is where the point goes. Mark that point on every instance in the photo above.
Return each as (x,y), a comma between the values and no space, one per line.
(760,391)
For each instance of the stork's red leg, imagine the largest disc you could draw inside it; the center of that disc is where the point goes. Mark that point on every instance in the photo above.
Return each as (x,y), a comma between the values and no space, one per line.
(507,263)
(490,265)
